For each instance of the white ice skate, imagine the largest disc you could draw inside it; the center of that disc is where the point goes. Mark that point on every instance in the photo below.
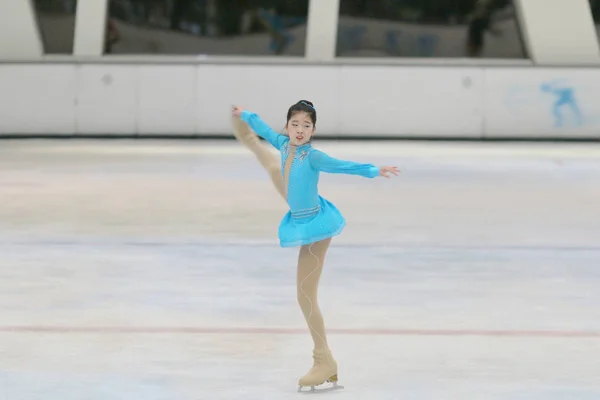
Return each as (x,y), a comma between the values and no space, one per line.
(324,370)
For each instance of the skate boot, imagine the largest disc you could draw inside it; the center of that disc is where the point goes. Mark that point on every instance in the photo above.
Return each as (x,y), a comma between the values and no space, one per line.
(324,370)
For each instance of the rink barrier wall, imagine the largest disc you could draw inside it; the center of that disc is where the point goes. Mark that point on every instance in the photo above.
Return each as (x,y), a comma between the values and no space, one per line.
(353,101)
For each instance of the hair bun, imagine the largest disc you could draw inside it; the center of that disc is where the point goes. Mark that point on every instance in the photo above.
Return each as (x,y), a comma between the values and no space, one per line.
(308,103)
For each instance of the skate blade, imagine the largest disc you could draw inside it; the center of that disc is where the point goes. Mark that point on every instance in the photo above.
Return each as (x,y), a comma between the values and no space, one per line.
(315,389)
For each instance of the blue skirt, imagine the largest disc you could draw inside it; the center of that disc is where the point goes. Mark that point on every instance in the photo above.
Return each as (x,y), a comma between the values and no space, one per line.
(327,222)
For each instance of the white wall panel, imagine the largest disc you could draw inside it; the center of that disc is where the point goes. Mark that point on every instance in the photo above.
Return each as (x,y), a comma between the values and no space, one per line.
(351,101)
(322,28)
(90,27)
(167,99)
(267,90)
(19,34)
(410,101)
(556,102)
(37,99)
(559,32)
(107,99)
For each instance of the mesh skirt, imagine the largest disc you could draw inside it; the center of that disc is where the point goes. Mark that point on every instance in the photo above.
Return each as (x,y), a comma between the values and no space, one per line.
(311,225)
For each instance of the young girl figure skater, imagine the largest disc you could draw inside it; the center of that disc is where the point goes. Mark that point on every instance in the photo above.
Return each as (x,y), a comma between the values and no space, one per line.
(311,221)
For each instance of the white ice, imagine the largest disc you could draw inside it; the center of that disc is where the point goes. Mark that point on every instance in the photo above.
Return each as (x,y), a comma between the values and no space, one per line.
(147,270)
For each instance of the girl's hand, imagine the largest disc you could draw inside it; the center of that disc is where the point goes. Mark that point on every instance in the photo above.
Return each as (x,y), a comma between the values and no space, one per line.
(237,111)
(385,171)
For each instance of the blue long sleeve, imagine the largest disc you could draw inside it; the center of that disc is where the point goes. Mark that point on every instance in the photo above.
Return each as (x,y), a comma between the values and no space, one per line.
(263,130)
(322,162)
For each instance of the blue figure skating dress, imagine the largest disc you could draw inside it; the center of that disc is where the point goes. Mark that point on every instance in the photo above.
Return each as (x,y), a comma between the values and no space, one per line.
(311,218)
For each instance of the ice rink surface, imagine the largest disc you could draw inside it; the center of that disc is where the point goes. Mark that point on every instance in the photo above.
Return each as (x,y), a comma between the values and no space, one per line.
(151,270)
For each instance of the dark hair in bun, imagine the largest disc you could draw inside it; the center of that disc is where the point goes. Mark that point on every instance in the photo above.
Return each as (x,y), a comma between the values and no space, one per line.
(303,106)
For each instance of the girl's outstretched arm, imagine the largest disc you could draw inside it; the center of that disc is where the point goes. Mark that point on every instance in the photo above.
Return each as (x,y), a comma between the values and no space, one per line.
(262,129)
(322,162)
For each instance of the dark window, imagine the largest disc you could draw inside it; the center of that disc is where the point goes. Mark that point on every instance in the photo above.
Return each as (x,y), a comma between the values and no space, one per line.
(56,20)
(429,28)
(212,27)
(595,6)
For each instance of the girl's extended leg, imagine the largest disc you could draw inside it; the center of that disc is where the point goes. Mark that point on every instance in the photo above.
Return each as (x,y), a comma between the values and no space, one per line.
(269,161)
(310,266)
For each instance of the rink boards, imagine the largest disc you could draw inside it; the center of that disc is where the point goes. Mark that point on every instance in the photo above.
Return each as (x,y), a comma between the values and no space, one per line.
(352,100)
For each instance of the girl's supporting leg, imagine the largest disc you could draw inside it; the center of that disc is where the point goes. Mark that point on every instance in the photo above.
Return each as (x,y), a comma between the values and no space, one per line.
(310,266)
(269,160)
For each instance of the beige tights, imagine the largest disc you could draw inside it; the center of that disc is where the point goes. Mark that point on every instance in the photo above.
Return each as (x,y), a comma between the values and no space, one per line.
(310,266)
(311,257)
(270,161)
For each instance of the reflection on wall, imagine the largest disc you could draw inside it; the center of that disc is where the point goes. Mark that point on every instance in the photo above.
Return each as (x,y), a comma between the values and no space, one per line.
(367,28)
(429,28)
(56,21)
(223,27)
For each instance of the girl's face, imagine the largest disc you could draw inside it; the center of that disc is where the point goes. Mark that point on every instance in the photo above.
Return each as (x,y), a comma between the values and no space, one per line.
(300,128)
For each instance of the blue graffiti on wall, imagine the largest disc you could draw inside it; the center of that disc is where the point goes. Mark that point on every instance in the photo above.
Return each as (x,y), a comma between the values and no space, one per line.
(559,99)
(565,103)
